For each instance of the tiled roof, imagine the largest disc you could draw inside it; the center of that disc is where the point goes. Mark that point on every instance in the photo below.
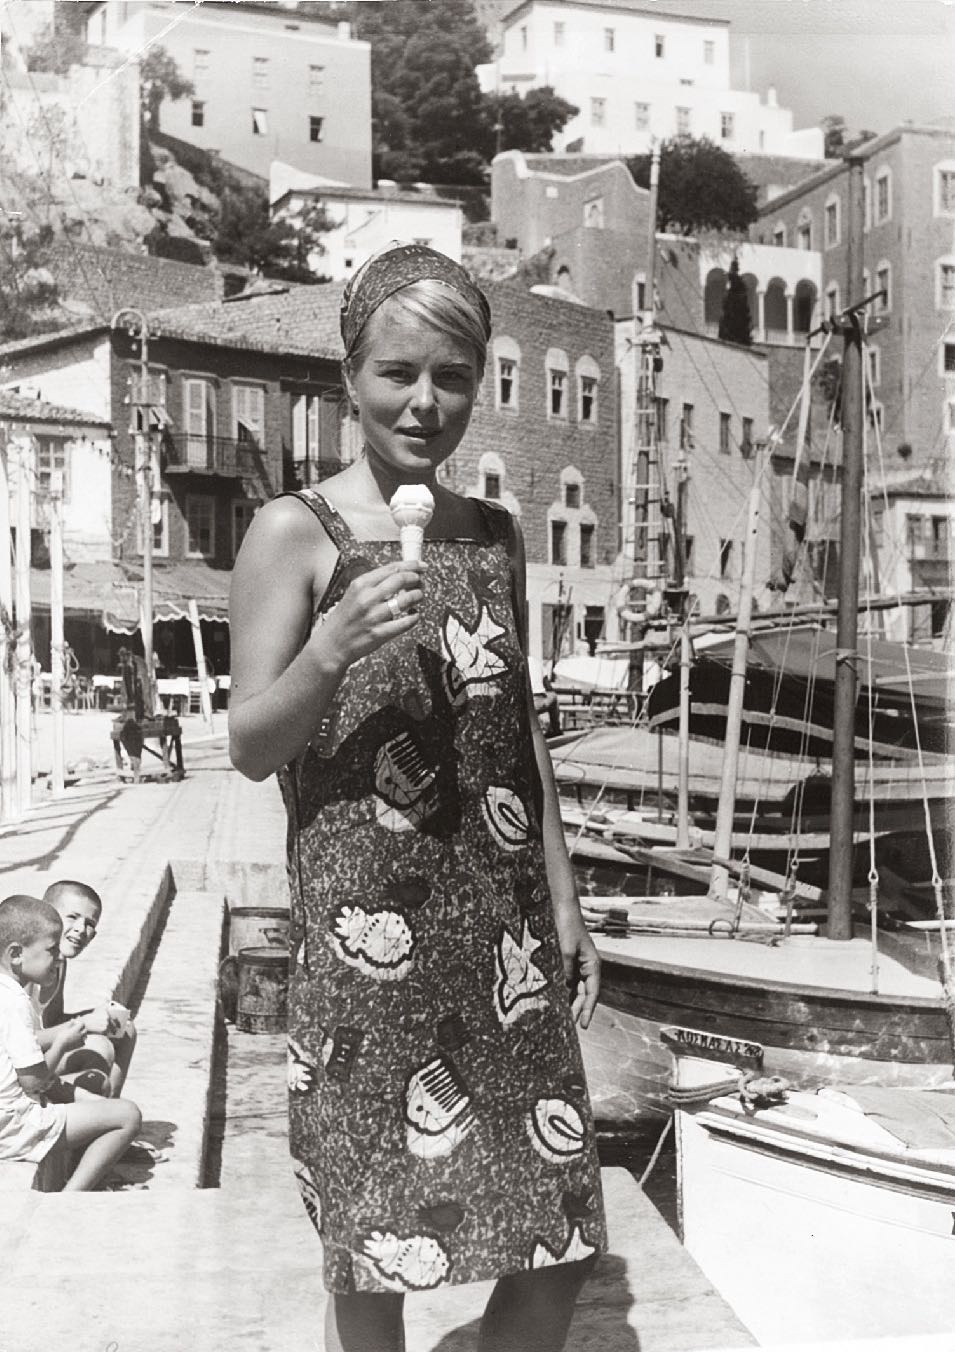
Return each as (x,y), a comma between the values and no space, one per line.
(37,341)
(105,280)
(25,409)
(297,320)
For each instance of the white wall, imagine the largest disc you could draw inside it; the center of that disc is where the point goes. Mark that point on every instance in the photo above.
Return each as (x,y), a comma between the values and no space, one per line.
(363,225)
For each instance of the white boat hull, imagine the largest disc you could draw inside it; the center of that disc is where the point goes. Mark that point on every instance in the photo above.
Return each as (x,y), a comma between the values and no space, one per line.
(817,1229)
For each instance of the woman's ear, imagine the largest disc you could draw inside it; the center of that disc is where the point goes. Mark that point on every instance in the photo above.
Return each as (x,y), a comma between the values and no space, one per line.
(349,388)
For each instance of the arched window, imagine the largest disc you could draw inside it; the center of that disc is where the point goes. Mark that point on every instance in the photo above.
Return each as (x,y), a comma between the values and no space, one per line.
(779,235)
(556,368)
(507,370)
(804,229)
(804,303)
(832,300)
(491,476)
(713,295)
(945,283)
(774,305)
(832,221)
(587,377)
(883,282)
(944,188)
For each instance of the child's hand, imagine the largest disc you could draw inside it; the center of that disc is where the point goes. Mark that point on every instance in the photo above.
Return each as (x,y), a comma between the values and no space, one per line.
(73,1034)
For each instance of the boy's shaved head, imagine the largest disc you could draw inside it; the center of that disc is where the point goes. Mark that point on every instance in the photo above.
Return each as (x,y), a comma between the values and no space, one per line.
(24,920)
(58,894)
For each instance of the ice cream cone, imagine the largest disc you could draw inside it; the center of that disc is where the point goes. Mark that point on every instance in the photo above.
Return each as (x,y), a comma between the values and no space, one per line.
(412,507)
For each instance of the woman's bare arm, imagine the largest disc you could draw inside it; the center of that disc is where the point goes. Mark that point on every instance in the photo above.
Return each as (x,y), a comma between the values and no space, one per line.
(285,673)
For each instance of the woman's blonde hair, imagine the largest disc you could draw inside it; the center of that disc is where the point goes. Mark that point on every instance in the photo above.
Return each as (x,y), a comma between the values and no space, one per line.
(439,305)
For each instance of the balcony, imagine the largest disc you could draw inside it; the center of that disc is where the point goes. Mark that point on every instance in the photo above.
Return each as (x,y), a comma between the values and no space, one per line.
(187,453)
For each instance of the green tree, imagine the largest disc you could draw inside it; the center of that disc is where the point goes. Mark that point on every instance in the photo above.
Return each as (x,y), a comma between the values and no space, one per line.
(529,123)
(55,48)
(279,249)
(701,187)
(736,322)
(28,293)
(159,79)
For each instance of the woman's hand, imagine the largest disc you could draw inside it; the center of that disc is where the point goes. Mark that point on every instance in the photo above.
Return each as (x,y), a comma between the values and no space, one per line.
(377,606)
(581,962)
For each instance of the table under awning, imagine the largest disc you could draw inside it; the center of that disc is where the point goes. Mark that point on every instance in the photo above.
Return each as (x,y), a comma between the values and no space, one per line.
(111,592)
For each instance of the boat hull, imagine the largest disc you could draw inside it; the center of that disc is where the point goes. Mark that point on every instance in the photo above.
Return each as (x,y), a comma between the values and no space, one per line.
(811,1035)
(813,1236)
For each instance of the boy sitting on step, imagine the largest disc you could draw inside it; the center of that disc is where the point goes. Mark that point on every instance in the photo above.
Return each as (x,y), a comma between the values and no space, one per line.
(101,1063)
(38,1113)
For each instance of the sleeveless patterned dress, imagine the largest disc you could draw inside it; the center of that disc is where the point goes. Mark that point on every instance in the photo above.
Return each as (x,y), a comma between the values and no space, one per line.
(439,1122)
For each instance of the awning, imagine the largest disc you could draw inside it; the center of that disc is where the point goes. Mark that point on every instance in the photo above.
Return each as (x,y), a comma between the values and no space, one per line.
(110,592)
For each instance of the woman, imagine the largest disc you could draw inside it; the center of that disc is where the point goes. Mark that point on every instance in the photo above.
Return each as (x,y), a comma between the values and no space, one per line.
(438,1120)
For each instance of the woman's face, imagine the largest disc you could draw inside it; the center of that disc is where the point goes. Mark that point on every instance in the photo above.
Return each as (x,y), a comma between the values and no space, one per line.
(415,389)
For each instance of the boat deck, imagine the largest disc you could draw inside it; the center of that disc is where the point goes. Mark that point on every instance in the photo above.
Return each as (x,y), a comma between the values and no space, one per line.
(802,960)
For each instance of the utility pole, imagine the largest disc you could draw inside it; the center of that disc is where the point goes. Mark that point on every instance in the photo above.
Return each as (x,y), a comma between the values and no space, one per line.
(57,664)
(24,691)
(137,325)
(8,739)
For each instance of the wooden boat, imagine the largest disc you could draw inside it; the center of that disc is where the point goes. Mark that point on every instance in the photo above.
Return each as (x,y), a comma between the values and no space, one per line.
(825,1214)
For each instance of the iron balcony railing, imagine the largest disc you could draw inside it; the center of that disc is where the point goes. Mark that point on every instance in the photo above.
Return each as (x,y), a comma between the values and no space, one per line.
(186,452)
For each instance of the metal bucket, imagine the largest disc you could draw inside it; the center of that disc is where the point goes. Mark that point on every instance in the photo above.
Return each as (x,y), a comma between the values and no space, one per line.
(262,999)
(258,927)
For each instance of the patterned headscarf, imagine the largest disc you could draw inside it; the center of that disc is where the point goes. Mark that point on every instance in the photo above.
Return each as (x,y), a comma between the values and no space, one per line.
(401,266)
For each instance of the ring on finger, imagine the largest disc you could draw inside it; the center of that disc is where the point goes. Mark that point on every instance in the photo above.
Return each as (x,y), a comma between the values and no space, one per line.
(394,605)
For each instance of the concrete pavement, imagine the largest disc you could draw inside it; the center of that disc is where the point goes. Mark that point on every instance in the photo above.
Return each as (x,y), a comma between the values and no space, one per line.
(162,1263)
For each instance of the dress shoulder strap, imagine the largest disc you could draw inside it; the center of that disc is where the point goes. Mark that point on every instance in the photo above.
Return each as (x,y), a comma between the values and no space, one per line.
(335,526)
(497,520)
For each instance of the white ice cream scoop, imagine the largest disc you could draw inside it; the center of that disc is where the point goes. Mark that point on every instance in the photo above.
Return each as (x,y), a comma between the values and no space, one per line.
(412,507)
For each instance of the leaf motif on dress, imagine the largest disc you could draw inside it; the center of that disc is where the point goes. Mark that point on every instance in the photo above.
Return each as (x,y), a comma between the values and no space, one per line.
(407,1262)
(556,1130)
(379,943)
(575,1249)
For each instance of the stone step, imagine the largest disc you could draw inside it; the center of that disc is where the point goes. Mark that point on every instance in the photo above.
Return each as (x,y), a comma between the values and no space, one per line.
(240,1268)
(171,1071)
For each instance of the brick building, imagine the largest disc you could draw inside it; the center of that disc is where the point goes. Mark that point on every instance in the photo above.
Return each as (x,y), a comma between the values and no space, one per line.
(909,253)
(543,440)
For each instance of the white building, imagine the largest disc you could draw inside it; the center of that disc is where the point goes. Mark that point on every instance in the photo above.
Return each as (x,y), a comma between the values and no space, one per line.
(366,219)
(637,73)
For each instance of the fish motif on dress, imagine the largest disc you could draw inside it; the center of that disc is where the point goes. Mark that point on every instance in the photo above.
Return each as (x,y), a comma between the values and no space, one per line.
(308,1192)
(471,666)
(575,1249)
(506,815)
(407,1262)
(379,943)
(404,784)
(556,1130)
(520,984)
(300,1069)
(438,1109)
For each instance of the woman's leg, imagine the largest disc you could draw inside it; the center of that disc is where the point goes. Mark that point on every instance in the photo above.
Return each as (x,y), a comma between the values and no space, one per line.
(364,1322)
(531,1311)
(105,1127)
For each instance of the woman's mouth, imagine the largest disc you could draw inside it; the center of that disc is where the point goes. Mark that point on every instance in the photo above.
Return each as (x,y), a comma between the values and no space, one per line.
(418,433)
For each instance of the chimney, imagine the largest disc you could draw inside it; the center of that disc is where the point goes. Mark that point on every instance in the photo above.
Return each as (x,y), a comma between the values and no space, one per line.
(344,30)
(771,97)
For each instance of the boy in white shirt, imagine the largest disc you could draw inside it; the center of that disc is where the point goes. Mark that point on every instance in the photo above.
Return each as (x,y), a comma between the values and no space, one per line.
(102,1061)
(34,1118)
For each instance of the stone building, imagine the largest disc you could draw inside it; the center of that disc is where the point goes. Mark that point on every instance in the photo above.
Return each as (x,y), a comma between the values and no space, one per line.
(909,256)
(270,82)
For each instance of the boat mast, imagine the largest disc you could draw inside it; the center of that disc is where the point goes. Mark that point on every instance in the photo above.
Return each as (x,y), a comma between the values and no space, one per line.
(847,629)
(725,812)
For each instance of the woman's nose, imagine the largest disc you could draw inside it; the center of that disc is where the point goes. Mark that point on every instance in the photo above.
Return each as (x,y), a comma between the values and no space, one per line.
(422,396)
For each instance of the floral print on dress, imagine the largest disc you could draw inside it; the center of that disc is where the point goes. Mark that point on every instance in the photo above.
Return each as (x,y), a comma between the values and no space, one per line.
(436,1096)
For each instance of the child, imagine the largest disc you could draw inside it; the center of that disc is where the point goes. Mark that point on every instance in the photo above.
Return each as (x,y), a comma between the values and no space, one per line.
(103,1060)
(34,1119)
